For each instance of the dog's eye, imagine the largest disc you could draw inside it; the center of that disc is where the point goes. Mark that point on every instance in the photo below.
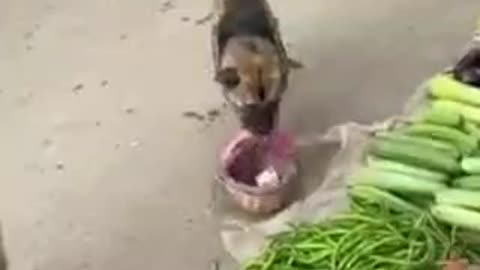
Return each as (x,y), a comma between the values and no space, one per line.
(232,82)
(228,77)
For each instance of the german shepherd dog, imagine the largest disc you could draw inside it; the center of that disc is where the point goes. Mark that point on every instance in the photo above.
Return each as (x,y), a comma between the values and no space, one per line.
(250,61)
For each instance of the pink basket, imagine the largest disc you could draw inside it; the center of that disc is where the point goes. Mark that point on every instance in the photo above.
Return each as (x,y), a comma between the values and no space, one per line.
(257,199)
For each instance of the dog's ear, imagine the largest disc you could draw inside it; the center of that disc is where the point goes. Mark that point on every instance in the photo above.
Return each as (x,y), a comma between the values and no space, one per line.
(294,64)
(228,77)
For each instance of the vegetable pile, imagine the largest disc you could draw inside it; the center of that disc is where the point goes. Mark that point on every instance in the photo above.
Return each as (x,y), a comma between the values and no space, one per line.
(373,236)
(435,157)
(412,203)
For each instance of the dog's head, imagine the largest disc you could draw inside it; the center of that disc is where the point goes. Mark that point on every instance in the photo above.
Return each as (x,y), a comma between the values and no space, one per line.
(251,76)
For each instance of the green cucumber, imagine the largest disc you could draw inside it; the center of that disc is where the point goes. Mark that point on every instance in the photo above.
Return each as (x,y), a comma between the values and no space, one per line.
(471,165)
(468,112)
(459,197)
(443,86)
(395,182)
(457,216)
(471,182)
(442,146)
(472,129)
(440,116)
(413,155)
(463,141)
(413,170)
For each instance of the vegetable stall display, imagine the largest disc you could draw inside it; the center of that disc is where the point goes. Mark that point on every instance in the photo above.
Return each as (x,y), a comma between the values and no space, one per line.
(382,231)
(413,201)
(435,156)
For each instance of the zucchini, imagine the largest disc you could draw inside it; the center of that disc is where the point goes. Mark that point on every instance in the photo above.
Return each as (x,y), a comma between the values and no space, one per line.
(471,182)
(465,198)
(443,86)
(463,141)
(457,216)
(439,145)
(373,194)
(468,112)
(413,155)
(471,165)
(399,167)
(395,182)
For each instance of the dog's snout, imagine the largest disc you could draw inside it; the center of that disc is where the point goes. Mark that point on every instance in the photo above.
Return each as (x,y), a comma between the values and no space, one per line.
(260,118)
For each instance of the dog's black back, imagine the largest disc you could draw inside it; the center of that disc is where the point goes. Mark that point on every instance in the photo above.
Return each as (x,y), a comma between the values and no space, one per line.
(244,18)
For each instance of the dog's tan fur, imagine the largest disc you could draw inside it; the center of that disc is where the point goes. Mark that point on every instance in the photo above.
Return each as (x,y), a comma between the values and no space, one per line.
(259,62)
(258,68)
(250,60)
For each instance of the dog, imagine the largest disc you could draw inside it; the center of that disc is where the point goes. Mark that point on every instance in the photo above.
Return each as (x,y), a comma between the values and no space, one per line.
(250,61)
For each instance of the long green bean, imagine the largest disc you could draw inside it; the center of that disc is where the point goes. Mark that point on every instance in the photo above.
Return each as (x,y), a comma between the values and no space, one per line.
(368,237)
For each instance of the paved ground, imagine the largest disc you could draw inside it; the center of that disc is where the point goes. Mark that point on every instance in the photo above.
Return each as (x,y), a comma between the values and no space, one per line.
(100,170)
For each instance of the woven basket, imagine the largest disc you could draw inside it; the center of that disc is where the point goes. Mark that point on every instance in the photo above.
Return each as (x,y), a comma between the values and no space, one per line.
(261,200)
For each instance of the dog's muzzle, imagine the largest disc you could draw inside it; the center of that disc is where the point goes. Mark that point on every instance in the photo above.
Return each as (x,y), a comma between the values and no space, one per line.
(259,118)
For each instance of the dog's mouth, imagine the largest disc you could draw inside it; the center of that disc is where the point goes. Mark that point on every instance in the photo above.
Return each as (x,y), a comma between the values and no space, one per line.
(260,119)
